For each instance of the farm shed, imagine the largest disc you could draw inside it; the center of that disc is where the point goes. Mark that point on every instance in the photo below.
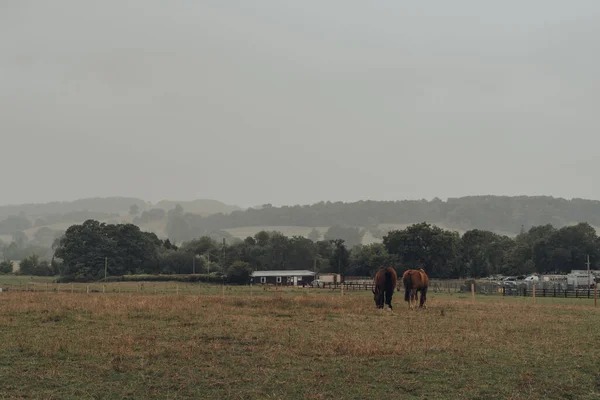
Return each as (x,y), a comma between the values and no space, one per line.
(283,277)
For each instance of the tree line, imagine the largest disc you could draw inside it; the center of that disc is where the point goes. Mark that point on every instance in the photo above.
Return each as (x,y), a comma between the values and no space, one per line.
(84,251)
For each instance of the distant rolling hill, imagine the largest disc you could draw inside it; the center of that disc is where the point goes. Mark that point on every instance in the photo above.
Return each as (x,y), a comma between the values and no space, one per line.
(500,214)
(200,206)
(59,215)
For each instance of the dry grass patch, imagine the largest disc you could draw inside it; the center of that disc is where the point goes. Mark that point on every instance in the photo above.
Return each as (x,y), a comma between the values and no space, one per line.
(292,346)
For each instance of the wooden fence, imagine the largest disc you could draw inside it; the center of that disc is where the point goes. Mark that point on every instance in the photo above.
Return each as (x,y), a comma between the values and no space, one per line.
(553,292)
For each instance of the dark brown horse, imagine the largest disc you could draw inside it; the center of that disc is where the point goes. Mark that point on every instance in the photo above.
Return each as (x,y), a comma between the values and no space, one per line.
(415,281)
(385,283)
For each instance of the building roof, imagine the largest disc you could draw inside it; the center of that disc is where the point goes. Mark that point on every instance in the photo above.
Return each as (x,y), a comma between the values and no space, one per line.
(303,272)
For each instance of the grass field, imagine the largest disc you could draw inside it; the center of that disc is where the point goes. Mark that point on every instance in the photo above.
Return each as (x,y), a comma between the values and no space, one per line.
(295,344)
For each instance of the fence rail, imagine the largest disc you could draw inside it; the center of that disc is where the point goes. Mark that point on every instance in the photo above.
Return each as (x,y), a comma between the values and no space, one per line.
(553,292)
(480,288)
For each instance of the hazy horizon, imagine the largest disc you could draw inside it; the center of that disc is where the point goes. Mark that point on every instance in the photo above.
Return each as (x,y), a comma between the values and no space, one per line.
(298,102)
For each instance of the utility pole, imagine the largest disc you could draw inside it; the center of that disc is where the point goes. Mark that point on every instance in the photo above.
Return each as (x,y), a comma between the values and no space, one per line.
(105,267)
(588,270)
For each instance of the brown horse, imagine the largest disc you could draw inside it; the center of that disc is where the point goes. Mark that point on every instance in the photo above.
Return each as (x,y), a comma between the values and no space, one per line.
(415,280)
(385,282)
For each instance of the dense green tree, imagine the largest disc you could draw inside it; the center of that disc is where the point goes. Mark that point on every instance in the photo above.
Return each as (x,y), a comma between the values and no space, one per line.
(484,253)
(6,267)
(238,272)
(32,265)
(177,262)
(202,246)
(262,238)
(365,260)
(85,247)
(565,249)
(340,258)
(429,247)
(302,253)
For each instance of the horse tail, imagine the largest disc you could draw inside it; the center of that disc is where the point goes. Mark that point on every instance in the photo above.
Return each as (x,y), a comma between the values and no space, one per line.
(407,286)
(390,280)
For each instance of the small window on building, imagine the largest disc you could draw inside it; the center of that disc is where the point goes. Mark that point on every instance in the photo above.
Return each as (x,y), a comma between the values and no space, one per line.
(278,279)
(299,278)
(263,279)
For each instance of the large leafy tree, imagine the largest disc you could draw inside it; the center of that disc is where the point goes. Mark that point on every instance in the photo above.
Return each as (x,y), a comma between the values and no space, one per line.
(425,246)
(366,260)
(340,258)
(484,253)
(566,249)
(6,267)
(302,253)
(84,249)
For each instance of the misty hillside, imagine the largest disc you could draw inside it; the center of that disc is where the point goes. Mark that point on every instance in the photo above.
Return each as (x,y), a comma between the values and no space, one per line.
(56,217)
(501,214)
(108,205)
(111,205)
(199,206)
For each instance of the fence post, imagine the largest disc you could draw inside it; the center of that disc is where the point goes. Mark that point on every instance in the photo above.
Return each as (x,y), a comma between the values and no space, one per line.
(88,289)
(473,292)
(534,293)
(595,290)
(103,288)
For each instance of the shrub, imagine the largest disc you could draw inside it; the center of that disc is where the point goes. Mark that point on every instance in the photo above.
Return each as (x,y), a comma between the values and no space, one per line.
(239,272)
(6,267)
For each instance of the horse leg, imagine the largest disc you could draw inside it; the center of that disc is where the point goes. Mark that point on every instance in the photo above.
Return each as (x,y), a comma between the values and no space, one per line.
(414,298)
(388,297)
(423,297)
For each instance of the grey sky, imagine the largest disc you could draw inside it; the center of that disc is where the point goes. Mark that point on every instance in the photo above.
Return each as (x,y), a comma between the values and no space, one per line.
(298,101)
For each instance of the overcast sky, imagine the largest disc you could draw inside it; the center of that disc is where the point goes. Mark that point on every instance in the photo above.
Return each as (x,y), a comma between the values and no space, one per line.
(293,102)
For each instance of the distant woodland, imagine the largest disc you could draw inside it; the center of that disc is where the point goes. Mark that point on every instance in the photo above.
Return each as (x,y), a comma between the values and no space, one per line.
(81,253)
(37,228)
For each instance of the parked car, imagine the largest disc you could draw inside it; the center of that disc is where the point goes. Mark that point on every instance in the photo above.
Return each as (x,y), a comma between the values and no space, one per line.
(317,283)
